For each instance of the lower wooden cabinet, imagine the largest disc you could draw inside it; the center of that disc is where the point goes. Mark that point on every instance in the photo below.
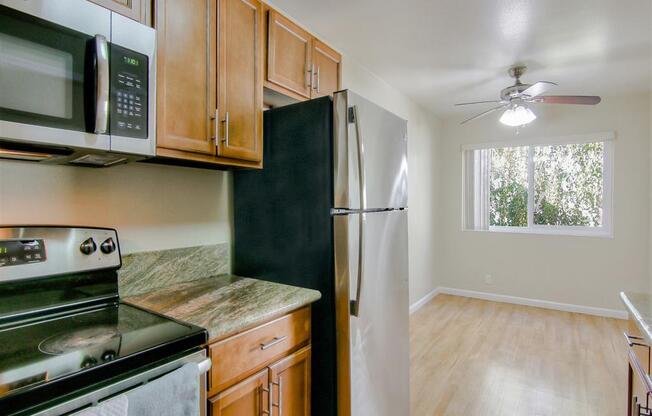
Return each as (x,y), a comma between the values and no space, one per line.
(264,370)
(249,397)
(290,382)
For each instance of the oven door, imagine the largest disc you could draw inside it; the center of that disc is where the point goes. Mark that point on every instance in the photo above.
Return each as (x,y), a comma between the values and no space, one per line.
(54,73)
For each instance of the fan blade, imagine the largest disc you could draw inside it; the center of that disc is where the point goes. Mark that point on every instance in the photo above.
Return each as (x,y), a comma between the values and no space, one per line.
(538,88)
(491,110)
(480,102)
(569,99)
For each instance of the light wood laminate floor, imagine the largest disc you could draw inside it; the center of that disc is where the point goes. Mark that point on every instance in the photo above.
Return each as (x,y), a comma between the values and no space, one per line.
(475,357)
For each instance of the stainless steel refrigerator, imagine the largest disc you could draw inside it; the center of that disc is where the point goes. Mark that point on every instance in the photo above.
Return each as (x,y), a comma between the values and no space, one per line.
(329,211)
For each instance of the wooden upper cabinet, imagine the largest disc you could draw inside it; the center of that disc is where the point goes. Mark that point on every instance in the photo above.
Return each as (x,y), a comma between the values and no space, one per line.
(186,65)
(290,378)
(288,55)
(138,10)
(327,69)
(240,80)
(247,398)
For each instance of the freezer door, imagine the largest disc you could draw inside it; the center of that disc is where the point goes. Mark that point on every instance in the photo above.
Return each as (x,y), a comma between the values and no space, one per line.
(374,352)
(370,155)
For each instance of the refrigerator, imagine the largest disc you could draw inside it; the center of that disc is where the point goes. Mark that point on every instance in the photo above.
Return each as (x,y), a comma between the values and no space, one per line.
(328,211)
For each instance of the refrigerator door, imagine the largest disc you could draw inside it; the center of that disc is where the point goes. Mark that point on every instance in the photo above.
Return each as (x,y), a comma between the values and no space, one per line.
(370,151)
(373,354)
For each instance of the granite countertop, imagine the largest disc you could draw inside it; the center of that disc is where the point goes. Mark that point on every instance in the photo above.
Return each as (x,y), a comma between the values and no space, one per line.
(639,305)
(225,304)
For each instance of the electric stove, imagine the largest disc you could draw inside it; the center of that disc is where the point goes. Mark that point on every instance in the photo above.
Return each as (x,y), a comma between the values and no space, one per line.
(64,332)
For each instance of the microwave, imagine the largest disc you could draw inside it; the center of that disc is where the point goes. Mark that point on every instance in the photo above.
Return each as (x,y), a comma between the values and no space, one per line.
(77,84)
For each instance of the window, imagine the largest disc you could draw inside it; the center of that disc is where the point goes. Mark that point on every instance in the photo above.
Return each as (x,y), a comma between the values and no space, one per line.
(560,186)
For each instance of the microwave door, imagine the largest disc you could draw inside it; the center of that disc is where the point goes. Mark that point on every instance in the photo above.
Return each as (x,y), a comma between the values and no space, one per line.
(51,74)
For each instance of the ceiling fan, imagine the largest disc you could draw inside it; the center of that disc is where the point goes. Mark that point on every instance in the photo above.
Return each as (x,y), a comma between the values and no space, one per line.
(516,98)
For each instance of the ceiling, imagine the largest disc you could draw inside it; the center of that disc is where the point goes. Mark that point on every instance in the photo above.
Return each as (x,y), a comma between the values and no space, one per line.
(439,52)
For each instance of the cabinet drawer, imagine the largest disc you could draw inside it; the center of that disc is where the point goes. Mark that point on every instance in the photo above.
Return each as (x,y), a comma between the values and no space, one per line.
(241,355)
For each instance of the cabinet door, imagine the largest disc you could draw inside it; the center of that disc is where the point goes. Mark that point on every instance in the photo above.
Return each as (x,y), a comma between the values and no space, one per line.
(327,73)
(134,9)
(288,55)
(247,398)
(290,378)
(186,62)
(240,82)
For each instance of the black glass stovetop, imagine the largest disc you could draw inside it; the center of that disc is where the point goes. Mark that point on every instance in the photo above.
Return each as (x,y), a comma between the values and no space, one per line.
(93,345)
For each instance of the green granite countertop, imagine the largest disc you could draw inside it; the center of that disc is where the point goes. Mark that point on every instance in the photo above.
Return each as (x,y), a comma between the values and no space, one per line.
(639,306)
(225,304)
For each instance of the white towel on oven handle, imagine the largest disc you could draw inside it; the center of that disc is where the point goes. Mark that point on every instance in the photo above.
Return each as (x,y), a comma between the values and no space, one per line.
(174,394)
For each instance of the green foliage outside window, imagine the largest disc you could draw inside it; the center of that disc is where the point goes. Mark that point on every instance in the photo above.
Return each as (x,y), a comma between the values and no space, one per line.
(508,187)
(568,185)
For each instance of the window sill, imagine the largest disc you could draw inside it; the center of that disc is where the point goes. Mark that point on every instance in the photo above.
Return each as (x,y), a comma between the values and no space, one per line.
(559,231)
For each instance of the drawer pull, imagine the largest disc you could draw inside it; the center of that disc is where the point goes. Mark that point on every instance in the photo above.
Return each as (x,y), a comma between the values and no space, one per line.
(270,344)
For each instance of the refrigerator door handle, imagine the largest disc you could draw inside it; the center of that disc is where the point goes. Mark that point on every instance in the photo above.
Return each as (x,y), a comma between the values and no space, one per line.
(362,183)
(353,114)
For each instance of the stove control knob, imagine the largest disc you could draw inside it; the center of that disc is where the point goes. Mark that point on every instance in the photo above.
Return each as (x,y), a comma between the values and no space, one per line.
(108,355)
(88,246)
(88,362)
(108,246)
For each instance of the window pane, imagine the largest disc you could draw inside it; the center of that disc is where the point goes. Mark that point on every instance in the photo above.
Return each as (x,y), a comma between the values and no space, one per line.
(508,187)
(568,184)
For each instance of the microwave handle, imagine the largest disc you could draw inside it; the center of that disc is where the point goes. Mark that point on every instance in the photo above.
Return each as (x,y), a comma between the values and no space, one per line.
(101,84)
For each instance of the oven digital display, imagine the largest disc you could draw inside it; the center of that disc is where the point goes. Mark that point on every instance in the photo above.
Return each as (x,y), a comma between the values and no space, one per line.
(15,252)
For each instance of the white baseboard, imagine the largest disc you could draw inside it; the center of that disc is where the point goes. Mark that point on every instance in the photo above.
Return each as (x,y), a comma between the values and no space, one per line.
(424,300)
(567,307)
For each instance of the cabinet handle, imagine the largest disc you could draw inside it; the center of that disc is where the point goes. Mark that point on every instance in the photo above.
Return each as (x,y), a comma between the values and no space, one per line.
(262,402)
(318,80)
(273,342)
(279,405)
(307,82)
(631,343)
(226,129)
(216,122)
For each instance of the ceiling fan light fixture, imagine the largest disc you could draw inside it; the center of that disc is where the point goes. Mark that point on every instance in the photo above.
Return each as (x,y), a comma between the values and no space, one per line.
(518,115)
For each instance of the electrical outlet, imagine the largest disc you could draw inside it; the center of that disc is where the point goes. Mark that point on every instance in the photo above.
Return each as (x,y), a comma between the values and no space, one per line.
(488,279)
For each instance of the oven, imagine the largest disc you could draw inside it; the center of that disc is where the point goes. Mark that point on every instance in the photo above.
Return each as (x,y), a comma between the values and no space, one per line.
(77,83)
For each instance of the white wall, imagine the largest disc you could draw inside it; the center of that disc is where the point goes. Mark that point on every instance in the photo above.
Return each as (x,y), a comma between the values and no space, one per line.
(587,271)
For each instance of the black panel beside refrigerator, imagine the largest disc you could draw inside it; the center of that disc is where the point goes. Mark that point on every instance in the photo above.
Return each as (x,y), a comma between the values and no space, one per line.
(283,226)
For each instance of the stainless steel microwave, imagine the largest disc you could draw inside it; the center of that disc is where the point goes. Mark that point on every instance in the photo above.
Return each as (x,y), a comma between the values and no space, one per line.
(77,84)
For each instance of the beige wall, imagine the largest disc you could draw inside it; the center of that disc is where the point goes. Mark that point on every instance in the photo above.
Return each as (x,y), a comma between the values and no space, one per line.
(587,271)
(152,207)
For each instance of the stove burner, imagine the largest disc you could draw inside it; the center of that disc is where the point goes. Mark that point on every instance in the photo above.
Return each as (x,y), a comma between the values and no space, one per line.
(78,340)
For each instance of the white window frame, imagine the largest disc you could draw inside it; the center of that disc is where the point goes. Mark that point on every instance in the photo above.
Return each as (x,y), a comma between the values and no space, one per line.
(605,230)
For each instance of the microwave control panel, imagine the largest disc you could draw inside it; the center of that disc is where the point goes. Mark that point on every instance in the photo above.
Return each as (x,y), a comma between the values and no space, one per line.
(129,91)
(15,252)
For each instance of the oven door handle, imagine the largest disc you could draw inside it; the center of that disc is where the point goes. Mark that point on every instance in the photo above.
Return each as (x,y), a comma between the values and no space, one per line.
(101,84)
